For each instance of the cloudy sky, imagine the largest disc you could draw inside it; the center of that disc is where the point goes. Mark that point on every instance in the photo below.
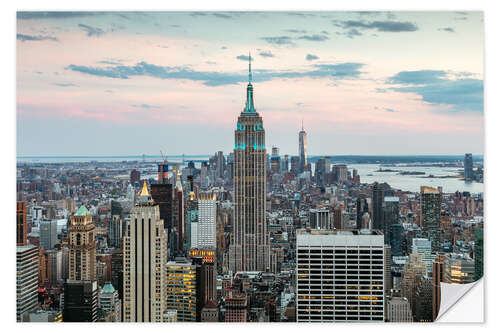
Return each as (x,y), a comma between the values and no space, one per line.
(115,83)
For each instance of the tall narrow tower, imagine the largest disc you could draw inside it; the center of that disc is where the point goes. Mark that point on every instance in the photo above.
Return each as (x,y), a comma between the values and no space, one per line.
(303,149)
(144,263)
(249,249)
(82,246)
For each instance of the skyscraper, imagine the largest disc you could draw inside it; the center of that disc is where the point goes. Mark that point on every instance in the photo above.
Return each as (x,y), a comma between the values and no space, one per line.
(82,246)
(303,149)
(144,263)
(423,246)
(423,304)
(250,244)
(178,215)
(340,275)
(478,253)
(109,302)
(181,288)
(468,171)
(414,270)
(361,208)
(398,310)
(26,279)
(395,239)
(191,213)
(162,195)
(207,212)
(115,231)
(21,224)
(295,165)
(430,215)
(135,176)
(236,307)
(320,218)
(390,208)
(80,301)
(458,269)
(437,277)
(48,234)
(378,213)
(220,164)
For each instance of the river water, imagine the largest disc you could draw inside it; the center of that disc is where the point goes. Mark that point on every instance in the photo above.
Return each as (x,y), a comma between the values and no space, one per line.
(368,174)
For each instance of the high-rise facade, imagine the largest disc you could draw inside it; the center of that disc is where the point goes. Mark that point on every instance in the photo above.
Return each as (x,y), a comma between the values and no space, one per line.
(21,223)
(220,164)
(340,172)
(398,310)
(144,263)
(361,208)
(390,209)
(320,218)
(48,234)
(115,231)
(387,270)
(295,165)
(54,265)
(303,150)
(414,271)
(437,277)
(478,253)
(423,304)
(468,171)
(26,279)
(80,301)
(181,288)
(109,302)
(430,215)
(135,176)
(162,195)
(178,216)
(396,239)
(340,275)
(82,246)
(423,246)
(249,249)
(206,276)
(236,307)
(191,215)
(207,213)
(458,269)
(378,194)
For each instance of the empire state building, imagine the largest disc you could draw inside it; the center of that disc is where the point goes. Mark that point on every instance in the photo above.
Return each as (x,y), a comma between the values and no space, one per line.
(249,249)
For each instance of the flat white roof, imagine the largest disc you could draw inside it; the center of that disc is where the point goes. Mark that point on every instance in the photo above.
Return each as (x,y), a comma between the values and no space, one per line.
(343,238)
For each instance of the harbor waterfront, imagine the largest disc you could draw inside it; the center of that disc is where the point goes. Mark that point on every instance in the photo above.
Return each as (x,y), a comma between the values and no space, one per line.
(369,172)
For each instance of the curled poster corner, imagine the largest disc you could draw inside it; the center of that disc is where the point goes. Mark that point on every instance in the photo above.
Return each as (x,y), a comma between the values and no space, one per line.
(462,302)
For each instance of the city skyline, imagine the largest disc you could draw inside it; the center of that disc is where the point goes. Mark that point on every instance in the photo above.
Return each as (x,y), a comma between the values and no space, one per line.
(146,66)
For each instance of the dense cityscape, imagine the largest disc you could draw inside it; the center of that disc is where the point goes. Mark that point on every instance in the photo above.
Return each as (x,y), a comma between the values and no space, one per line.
(244,236)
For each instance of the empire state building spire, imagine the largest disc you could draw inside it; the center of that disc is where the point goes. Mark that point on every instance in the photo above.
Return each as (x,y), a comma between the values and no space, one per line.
(249,106)
(249,249)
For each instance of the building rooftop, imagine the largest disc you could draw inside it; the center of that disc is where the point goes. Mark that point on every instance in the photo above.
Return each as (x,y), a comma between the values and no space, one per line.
(428,189)
(344,232)
(108,288)
(82,211)
(22,248)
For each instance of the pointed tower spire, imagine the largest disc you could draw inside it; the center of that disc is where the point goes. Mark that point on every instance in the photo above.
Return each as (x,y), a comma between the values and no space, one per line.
(249,67)
(302,124)
(249,107)
(178,183)
(144,196)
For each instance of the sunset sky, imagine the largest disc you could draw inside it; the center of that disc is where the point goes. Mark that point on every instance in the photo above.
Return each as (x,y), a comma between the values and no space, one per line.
(127,83)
